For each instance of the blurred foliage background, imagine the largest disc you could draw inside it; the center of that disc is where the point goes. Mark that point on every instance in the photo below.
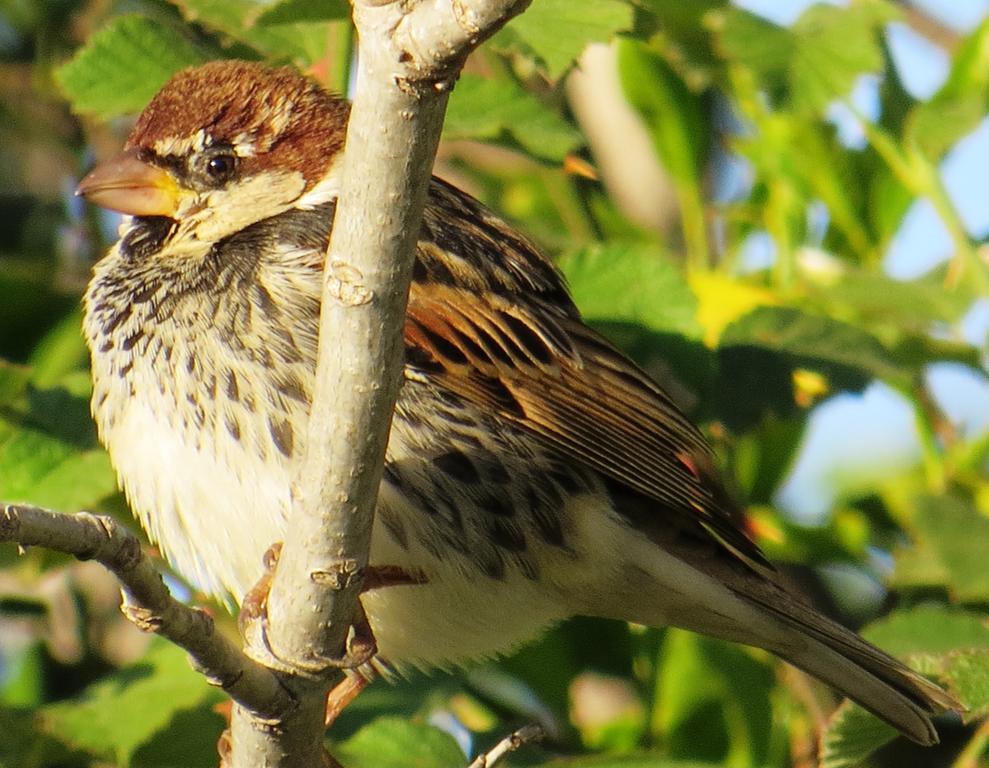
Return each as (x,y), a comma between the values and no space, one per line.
(725,206)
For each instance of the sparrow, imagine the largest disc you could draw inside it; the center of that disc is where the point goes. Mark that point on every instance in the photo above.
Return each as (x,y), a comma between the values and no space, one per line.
(533,472)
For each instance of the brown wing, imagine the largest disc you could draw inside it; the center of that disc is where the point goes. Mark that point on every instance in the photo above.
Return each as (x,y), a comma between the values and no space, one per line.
(538,366)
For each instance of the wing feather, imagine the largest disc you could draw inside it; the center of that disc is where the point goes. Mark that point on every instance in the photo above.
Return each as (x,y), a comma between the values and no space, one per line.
(544,370)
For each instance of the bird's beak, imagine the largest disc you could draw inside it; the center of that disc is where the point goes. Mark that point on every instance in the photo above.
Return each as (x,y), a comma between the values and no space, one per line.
(130,185)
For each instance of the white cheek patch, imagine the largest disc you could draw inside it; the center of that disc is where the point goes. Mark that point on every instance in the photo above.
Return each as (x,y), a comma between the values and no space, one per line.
(225,211)
(326,189)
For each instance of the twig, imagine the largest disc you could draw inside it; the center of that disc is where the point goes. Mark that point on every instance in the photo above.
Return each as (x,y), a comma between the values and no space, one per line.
(147,601)
(524,735)
(409,58)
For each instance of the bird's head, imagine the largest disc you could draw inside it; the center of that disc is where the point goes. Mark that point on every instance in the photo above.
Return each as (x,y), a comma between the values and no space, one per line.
(224,145)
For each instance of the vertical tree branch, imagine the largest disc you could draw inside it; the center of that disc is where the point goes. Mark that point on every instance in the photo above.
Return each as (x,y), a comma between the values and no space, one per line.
(409,59)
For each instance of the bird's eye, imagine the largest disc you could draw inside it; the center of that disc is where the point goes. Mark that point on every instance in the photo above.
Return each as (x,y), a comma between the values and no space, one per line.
(221,166)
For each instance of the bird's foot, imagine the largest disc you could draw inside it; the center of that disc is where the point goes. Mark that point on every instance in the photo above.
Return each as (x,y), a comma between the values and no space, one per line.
(255,602)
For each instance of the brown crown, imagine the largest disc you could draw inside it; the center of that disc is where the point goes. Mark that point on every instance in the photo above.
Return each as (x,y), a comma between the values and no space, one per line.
(292,122)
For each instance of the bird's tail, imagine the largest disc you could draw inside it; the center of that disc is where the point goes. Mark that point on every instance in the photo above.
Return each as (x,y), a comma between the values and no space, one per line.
(730,600)
(856,668)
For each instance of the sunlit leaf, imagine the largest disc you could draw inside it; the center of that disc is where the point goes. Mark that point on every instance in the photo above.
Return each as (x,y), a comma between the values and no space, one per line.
(116,716)
(818,58)
(723,300)
(852,735)
(967,676)
(950,644)
(907,303)
(302,42)
(48,452)
(390,742)
(633,283)
(957,534)
(124,64)
(928,629)
(499,111)
(813,340)
(557,31)
(960,104)
(292,11)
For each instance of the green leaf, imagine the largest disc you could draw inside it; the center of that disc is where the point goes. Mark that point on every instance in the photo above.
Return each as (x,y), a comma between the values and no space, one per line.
(24,677)
(713,701)
(929,629)
(817,59)
(831,174)
(499,111)
(852,735)
(124,64)
(60,352)
(834,47)
(629,761)
(13,381)
(937,124)
(967,675)
(813,341)
(749,39)
(632,283)
(960,104)
(681,34)
(672,113)
(48,449)
(292,11)
(906,303)
(950,644)
(22,744)
(302,42)
(555,32)
(43,471)
(114,717)
(958,536)
(917,567)
(391,742)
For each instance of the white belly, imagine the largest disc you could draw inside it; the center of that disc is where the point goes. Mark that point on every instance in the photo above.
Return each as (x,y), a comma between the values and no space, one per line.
(211,521)
(214,523)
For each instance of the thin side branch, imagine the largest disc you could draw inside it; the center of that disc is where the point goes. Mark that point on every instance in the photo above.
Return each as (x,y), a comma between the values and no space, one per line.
(525,735)
(147,601)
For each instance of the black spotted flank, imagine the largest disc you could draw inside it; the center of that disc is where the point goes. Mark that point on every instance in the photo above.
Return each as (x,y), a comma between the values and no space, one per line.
(457,466)
(506,535)
(549,525)
(281,434)
(492,566)
(233,426)
(231,387)
(496,504)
